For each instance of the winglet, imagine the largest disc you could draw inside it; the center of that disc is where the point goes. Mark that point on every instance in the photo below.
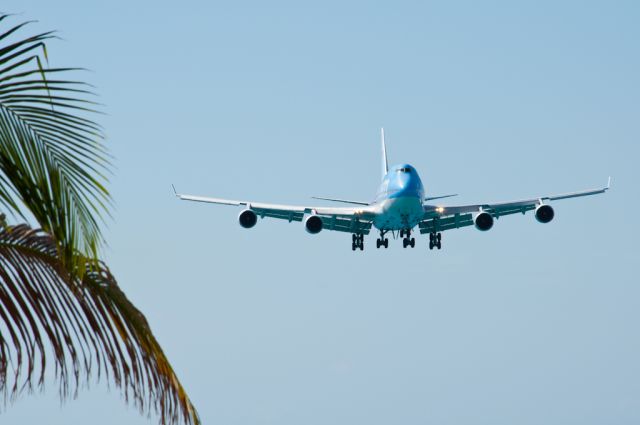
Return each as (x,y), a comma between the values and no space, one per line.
(609,183)
(385,164)
(174,191)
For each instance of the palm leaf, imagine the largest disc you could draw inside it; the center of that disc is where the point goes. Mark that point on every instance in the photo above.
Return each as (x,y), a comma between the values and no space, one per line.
(52,160)
(83,321)
(57,300)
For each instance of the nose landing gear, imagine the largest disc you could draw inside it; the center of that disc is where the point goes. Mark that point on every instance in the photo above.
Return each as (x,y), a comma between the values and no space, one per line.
(435,240)
(357,241)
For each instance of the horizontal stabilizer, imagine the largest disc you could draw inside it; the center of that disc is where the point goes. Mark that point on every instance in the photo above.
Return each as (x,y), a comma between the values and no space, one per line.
(344,201)
(431,198)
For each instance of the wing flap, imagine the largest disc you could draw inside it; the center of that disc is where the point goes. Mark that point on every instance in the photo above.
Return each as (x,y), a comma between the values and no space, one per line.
(440,224)
(281,214)
(342,224)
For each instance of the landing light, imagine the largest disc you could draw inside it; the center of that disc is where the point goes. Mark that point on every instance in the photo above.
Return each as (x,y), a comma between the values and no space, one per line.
(440,210)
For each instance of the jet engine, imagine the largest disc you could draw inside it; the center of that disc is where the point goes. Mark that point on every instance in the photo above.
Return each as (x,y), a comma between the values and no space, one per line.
(313,224)
(544,213)
(483,221)
(247,219)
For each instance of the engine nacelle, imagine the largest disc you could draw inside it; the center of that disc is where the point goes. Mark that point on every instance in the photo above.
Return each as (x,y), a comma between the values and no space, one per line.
(247,219)
(313,224)
(483,221)
(544,213)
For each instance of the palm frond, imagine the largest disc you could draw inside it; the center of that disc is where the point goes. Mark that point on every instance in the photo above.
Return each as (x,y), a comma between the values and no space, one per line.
(52,160)
(59,305)
(82,321)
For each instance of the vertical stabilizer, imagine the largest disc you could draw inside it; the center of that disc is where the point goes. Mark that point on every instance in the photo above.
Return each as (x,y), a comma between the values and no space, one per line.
(385,163)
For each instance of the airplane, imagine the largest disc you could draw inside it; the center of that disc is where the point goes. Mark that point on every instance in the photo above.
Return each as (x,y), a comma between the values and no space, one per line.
(400,206)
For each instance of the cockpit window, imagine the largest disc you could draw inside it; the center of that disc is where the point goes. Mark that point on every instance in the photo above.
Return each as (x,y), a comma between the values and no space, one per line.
(405,170)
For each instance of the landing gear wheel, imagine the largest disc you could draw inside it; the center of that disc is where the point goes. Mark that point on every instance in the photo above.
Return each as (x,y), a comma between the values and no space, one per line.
(435,240)
(408,240)
(382,241)
(357,241)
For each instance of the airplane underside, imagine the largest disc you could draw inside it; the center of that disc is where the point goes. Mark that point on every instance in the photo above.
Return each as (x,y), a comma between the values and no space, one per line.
(402,215)
(399,213)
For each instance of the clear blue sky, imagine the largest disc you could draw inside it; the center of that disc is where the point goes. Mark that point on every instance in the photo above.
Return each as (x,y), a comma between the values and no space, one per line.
(280,101)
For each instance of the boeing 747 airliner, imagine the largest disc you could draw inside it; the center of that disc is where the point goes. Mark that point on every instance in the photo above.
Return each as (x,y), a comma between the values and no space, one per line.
(400,206)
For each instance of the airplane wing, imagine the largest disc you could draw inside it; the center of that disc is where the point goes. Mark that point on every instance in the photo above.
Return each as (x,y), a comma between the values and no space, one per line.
(441,218)
(351,219)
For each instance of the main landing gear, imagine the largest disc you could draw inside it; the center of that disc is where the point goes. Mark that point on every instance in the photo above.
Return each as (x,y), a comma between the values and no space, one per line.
(382,241)
(435,240)
(357,241)
(408,240)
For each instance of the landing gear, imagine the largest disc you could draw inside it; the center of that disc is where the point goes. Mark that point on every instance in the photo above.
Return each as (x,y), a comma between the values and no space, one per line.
(408,240)
(382,241)
(357,241)
(435,240)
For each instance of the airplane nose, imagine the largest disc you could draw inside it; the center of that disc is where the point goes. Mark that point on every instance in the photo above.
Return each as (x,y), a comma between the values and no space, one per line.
(404,181)
(405,184)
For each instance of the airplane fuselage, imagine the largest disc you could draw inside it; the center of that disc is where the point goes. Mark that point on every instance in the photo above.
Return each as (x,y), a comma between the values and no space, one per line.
(399,202)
